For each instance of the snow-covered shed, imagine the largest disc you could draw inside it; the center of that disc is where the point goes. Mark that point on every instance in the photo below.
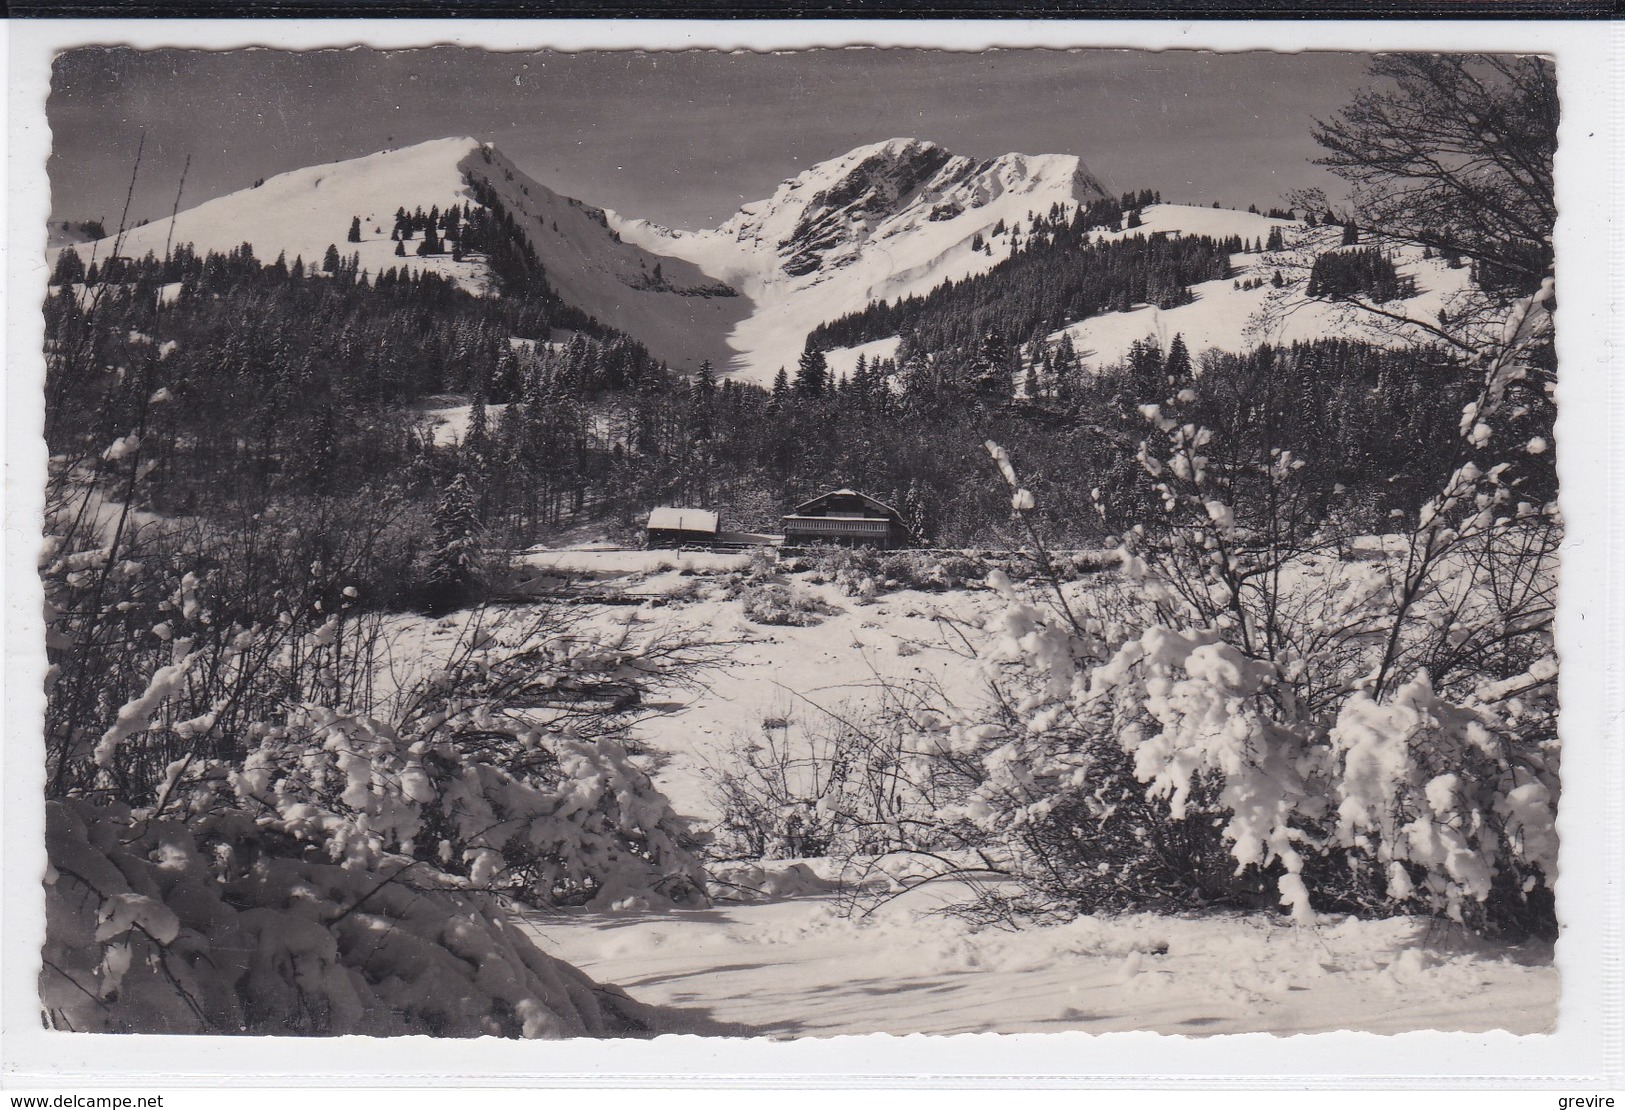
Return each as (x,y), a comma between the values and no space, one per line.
(845,516)
(672,527)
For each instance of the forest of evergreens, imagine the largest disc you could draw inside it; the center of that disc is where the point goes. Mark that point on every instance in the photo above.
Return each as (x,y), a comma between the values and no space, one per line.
(1059,273)
(280,383)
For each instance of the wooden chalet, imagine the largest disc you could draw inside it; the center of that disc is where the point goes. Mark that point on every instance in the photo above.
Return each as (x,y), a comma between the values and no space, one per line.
(669,527)
(845,516)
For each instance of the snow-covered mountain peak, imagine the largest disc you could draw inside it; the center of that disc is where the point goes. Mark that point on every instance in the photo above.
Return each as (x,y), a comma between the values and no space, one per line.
(302,212)
(678,312)
(887,219)
(824,215)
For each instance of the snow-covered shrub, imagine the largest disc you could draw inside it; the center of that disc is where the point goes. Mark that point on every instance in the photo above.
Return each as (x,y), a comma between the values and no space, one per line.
(275,606)
(831,788)
(762,563)
(293,718)
(692,589)
(1170,768)
(1377,736)
(1090,562)
(285,736)
(863,572)
(771,603)
(229,925)
(1125,781)
(851,569)
(545,817)
(952,571)
(452,772)
(1453,806)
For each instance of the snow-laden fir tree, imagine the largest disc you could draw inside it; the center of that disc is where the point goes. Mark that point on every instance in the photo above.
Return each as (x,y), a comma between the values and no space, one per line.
(457,564)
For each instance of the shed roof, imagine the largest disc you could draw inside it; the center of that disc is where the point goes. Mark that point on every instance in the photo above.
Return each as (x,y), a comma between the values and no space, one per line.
(683,520)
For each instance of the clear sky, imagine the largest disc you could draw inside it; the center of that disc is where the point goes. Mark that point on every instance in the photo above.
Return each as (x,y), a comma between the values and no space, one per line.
(685,138)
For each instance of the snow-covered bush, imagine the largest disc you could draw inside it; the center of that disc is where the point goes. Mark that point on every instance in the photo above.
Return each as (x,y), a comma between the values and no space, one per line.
(854,570)
(761,564)
(829,788)
(283,740)
(770,603)
(448,771)
(1378,736)
(864,572)
(547,818)
(228,925)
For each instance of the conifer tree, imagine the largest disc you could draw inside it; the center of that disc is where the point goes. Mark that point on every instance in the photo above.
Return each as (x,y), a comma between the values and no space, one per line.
(70,269)
(355,229)
(1146,371)
(331,260)
(862,384)
(916,515)
(457,564)
(478,425)
(812,372)
(1178,365)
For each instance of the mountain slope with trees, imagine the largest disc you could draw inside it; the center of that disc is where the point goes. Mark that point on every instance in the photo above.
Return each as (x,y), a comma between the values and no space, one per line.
(667,304)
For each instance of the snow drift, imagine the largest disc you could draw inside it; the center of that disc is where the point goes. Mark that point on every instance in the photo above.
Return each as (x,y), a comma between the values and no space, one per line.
(155,926)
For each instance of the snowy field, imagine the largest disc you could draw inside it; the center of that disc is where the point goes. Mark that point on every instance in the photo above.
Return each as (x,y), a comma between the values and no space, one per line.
(772,673)
(792,963)
(796,967)
(1235,319)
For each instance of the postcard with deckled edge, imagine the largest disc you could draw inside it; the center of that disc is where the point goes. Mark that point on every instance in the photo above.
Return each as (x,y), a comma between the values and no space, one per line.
(557,540)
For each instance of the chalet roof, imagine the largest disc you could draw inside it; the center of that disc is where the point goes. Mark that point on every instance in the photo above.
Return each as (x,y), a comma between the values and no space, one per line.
(683,520)
(881,506)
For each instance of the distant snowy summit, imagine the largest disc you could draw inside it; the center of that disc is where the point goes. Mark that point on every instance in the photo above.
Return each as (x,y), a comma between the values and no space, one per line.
(829,215)
(885,221)
(679,313)
(889,219)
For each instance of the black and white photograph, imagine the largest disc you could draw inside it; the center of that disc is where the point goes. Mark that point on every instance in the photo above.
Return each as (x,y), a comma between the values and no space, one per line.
(803,543)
